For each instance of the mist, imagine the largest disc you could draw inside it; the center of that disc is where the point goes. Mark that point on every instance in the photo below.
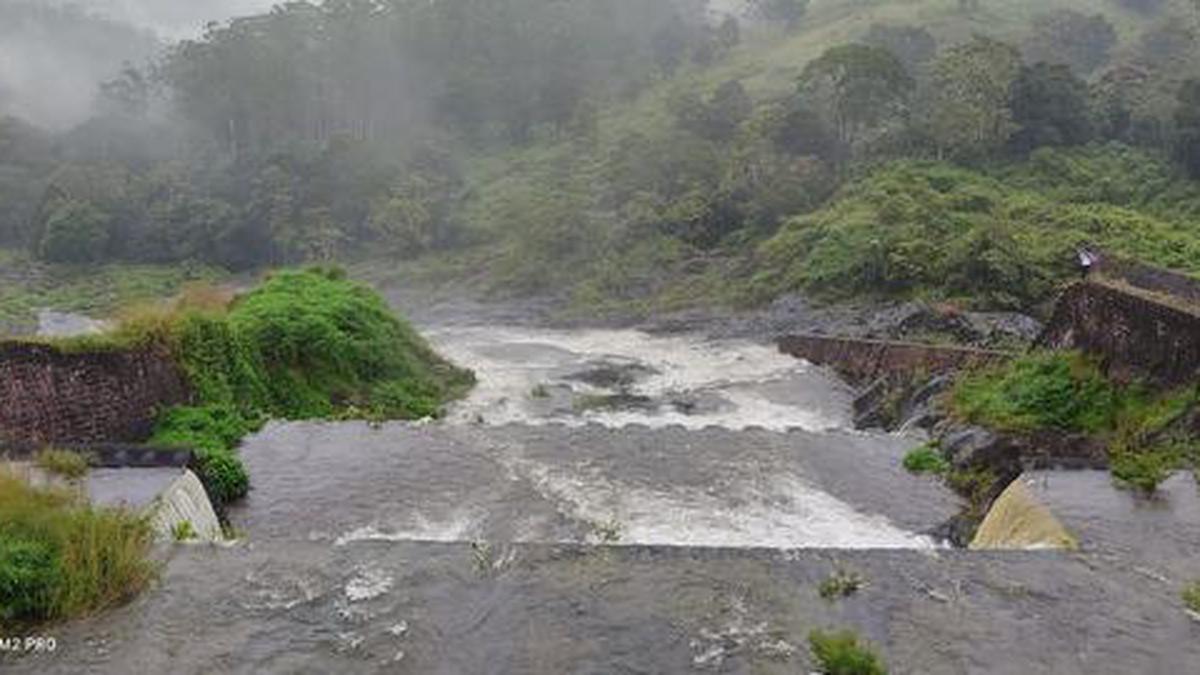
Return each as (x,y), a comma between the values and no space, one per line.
(54,54)
(173,19)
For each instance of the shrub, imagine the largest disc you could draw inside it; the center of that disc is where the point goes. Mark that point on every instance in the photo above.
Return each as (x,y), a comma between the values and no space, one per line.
(926,459)
(1064,391)
(1144,470)
(62,558)
(28,570)
(841,653)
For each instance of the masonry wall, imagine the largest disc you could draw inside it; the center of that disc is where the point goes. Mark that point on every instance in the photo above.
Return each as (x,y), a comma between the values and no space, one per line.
(1134,335)
(864,360)
(51,397)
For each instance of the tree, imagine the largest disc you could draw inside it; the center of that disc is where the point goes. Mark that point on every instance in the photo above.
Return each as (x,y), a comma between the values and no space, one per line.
(1187,122)
(967,106)
(718,118)
(858,88)
(75,232)
(1146,7)
(787,12)
(1050,105)
(1072,38)
(912,45)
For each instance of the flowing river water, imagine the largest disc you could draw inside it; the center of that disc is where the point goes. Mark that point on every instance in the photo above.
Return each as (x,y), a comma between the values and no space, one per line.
(608,501)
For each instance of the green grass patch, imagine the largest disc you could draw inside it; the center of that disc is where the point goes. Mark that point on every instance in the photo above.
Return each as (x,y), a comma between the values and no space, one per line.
(61,558)
(843,653)
(926,459)
(1046,390)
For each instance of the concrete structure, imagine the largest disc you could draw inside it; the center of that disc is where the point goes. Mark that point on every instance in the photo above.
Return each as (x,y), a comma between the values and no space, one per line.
(866,360)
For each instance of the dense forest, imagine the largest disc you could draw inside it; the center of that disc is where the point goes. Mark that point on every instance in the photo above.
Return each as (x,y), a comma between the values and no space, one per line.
(636,151)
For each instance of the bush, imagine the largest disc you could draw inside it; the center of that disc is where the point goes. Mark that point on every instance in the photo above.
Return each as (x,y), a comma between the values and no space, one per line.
(28,570)
(841,654)
(62,558)
(926,459)
(1063,391)
(212,432)
(1144,470)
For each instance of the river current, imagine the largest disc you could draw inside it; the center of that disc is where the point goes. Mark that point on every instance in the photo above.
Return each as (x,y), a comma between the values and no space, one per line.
(610,501)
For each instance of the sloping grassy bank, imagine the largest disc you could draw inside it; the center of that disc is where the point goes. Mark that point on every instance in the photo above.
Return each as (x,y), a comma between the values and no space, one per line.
(62,558)
(305,345)
(1066,392)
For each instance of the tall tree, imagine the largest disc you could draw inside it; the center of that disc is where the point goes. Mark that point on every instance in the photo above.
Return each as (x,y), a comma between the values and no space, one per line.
(966,110)
(1071,38)
(859,88)
(1187,122)
(1050,105)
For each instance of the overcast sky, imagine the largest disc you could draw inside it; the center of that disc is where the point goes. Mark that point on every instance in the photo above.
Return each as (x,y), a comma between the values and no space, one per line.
(173,18)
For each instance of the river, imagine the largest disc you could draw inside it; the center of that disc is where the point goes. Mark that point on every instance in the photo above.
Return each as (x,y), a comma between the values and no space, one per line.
(611,501)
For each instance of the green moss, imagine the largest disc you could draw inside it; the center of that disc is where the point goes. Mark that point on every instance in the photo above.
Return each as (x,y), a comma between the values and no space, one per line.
(926,459)
(842,653)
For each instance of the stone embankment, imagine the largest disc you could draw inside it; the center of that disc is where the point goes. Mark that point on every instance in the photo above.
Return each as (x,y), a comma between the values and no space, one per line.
(50,396)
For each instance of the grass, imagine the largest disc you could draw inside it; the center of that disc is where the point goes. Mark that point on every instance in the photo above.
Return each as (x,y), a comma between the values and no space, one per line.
(1046,390)
(1066,392)
(842,653)
(1191,597)
(61,558)
(926,459)
(841,584)
(62,463)
(97,291)
(183,531)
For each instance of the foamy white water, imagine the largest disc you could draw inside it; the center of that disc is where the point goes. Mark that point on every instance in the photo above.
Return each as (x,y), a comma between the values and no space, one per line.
(532,376)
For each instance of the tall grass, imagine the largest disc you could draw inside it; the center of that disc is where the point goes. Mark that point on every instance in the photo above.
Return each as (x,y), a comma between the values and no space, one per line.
(62,558)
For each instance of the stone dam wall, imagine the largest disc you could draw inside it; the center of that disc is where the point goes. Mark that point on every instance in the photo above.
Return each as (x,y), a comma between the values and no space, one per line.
(1136,334)
(53,397)
(868,360)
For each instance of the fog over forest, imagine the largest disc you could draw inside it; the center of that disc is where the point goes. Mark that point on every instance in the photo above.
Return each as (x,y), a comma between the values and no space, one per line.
(54,53)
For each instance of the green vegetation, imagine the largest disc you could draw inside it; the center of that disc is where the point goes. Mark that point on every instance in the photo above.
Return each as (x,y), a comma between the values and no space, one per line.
(1067,392)
(997,239)
(94,290)
(183,531)
(64,463)
(926,459)
(1048,390)
(1191,597)
(305,344)
(842,653)
(841,584)
(61,558)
